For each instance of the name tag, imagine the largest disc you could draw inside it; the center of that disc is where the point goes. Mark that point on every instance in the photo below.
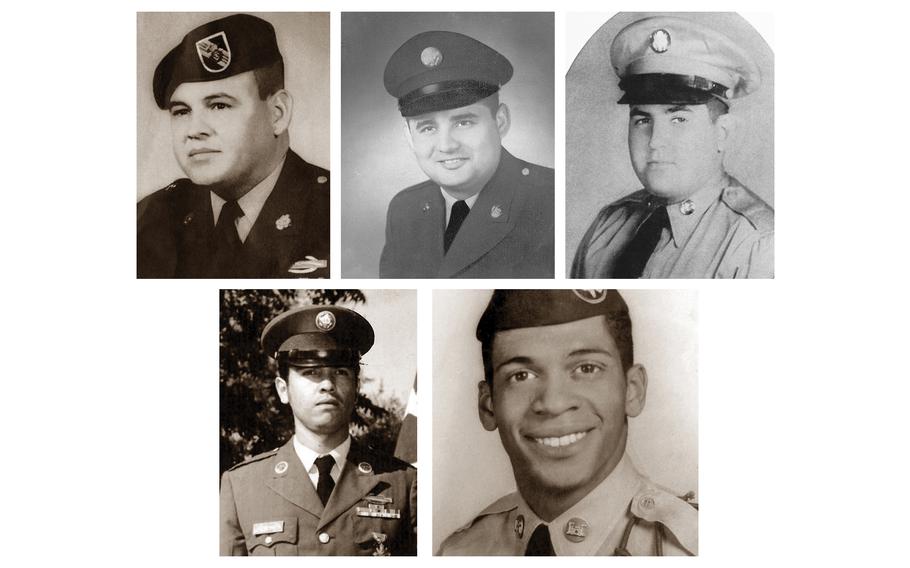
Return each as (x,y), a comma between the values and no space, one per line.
(268,528)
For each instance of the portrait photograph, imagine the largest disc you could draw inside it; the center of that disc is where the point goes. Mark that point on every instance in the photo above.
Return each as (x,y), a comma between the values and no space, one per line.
(447,145)
(669,147)
(565,422)
(318,422)
(233,117)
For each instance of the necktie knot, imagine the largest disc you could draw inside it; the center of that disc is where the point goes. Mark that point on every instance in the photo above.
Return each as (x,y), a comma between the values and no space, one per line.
(324,464)
(540,544)
(325,484)
(230,211)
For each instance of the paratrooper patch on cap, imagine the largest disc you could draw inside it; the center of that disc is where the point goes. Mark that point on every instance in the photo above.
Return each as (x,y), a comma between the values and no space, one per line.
(214,52)
(660,41)
(431,57)
(591,296)
(325,321)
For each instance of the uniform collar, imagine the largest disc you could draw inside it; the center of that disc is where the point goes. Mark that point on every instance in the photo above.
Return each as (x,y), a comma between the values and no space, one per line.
(681,225)
(308,456)
(601,510)
(450,201)
(252,201)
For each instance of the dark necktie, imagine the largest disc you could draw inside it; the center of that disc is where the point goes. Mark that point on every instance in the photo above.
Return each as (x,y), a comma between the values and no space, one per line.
(227,241)
(325,484)
(633,259)
(540,544)
(460,210)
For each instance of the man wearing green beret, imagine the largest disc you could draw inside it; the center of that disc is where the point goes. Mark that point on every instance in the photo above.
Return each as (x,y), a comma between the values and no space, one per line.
(249,207)
(560,386)
(483,213)
(321,493)
(692,219)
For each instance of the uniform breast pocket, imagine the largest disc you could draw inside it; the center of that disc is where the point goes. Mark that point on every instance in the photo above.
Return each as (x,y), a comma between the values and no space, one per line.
(274,538)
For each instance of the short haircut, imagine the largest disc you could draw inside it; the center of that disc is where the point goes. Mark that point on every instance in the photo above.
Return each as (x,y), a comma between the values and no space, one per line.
(270,79)
(619,326)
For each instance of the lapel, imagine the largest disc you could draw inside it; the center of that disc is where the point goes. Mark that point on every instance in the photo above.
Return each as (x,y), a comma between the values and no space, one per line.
(352,486)
(294,484)
(432,223)
(483,229)
(196,229)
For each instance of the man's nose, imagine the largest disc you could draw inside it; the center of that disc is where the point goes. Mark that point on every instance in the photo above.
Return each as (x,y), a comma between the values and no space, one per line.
(555,395)
(447,142)
(198,128)
(659,133)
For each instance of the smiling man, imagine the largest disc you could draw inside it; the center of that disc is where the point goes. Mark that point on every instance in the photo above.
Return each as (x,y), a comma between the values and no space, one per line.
(560,386)
(483,213)
(321,493)
(692,219)
(249,207)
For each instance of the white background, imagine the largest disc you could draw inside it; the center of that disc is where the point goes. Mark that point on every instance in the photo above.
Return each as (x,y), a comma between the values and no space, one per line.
(110,408)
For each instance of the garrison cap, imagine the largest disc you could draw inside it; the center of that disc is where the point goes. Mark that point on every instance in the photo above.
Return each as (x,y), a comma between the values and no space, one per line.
(669,60)
(514,309)
(318,336)
(439,70)
(216,50)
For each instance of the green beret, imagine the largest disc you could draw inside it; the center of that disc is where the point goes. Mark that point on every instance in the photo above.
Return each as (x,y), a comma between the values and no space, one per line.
(669,60)
(439,70)
(514,309)
(216,50)
(318,336)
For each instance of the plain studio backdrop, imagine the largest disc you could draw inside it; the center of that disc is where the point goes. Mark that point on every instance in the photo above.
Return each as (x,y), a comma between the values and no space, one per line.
(376,162)
(598,168)
(470,467)
(303,40)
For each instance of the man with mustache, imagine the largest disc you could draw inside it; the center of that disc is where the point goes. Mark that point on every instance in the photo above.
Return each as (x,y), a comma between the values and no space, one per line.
(692,219)
(250,207)
(483,213)
(321,493)
(560,385)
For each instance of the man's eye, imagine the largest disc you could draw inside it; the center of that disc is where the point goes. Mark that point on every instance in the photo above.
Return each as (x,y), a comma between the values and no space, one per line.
(464,123)
(520,376)
(426,129)
(179,112)
(220,106)
(341,372)
(588,368)
(641,121)
(678,119)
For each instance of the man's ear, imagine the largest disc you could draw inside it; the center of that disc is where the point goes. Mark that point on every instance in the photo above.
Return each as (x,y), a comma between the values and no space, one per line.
(503,120)
(282,387)
(485,406)
(281,106)
(724,127)
(636,390)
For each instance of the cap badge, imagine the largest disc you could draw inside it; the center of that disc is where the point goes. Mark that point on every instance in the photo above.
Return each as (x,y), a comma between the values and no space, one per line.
(214,52)
(520,526)
(591,296)
(660,41)
(281,467)
(283,222)
(325,321)
(496,212)
(431,57)
(576,529)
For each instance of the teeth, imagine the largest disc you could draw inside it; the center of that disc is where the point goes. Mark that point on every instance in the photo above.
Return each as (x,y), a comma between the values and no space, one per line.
(562,440)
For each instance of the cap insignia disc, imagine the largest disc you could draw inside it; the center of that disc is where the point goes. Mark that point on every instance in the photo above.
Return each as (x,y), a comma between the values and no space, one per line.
(214,52)
(325,321)
(591,296)
(660,41)
(431,57)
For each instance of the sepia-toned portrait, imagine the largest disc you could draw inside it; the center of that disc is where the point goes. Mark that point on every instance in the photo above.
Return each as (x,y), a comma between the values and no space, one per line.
(233,145)
(447,145)
(318,422)
(670,148)
(565,423)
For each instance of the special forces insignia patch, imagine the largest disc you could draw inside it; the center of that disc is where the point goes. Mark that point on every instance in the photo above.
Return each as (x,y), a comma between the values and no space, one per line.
(214,52)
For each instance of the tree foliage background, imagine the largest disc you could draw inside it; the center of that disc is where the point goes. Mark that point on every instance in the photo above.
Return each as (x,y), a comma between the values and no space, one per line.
(253,419)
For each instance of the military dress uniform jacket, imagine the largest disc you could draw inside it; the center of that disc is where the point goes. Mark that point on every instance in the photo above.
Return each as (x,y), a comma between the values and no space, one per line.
(269,507)
(727,233)
(626,515)
(176,229)
(507,234)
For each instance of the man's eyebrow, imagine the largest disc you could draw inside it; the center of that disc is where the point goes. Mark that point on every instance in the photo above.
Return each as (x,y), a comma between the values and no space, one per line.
(639,112)
(462,116)
(583,352)
(209,98)
(424,122)
(678,108)
(174,103)
(519,360)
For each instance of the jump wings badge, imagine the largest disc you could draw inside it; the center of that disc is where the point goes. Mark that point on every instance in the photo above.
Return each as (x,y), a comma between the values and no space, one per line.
(214,52)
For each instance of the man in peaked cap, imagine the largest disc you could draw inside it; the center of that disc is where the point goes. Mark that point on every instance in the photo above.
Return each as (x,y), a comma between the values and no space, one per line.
(483,213)
(321,493)
(560,386)
(692,219)
(250,207)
